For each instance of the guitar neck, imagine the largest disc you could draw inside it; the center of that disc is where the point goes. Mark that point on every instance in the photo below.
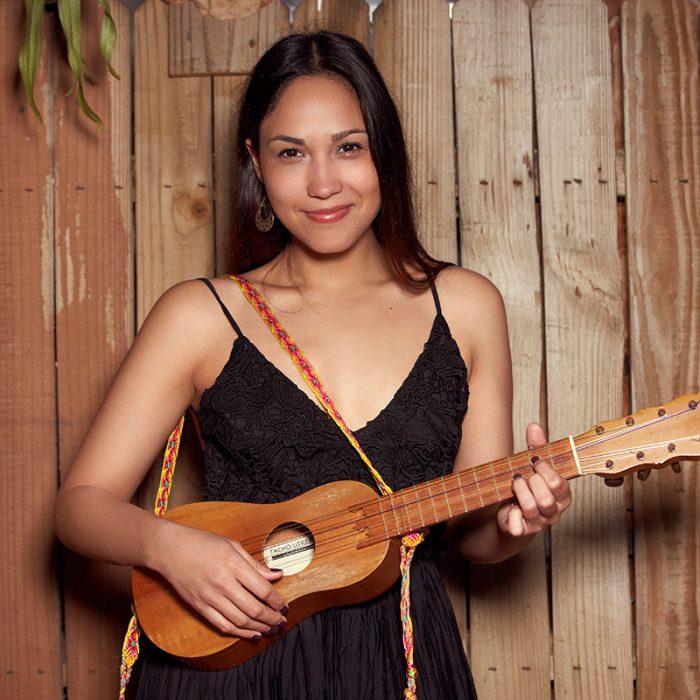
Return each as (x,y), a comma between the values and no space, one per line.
(468,491)
(650,437)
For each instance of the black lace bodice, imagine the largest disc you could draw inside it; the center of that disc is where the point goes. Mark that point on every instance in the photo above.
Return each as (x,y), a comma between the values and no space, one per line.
(267,441)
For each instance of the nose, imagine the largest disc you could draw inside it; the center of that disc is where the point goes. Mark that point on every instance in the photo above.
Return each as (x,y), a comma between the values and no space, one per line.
(324,180)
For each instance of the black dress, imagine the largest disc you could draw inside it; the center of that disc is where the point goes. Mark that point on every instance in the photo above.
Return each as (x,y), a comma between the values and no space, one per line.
(266,441)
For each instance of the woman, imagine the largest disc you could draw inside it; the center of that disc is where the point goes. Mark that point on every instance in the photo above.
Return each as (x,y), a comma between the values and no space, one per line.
(392,333)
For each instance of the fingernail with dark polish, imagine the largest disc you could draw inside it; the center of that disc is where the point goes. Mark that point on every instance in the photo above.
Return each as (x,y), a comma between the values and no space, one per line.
(273,630)
(277,571)
(256,638)
(284,610)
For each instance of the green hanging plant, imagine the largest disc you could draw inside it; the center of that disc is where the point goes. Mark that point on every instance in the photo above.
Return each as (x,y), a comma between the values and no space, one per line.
(69,16)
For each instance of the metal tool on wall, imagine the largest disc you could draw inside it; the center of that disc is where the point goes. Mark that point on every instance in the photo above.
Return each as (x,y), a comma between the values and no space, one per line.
(291,6)
(372,5)
(451,6)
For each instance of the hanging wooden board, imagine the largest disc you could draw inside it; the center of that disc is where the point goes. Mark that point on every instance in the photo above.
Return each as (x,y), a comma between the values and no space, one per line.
(29,605)
(412,50)
(498,231)
(94,325)
(584,322)
(199,45)
(662,108)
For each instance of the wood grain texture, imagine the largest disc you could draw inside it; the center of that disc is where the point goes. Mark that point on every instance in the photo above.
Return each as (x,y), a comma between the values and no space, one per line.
(584,337)
(412,50)
(29,604)
(199,45)
(346,17)
(662,129)
(174,206)
(94,326)
(172,143)
(227,93)
(498,227)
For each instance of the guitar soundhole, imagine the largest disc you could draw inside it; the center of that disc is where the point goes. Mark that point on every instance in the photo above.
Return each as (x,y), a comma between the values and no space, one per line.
(289,547)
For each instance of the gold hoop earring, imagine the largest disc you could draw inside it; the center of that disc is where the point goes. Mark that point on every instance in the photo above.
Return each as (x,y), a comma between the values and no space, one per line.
(264,216)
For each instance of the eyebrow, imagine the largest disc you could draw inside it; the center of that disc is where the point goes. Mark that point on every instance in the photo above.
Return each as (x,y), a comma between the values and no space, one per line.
(300,142)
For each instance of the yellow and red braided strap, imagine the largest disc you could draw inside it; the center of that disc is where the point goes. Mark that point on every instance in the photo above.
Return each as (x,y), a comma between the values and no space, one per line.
(408,542)
(130,648)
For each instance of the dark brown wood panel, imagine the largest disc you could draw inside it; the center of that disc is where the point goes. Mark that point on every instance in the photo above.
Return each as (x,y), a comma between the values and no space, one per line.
(94,325)
(29,604)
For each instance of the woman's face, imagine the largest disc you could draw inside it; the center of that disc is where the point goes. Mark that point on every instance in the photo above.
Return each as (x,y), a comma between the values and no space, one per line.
(315,164)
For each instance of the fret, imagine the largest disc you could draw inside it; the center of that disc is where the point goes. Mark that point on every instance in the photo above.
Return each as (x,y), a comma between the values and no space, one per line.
(461,491)
(510,466)
(420,512)
(447,500)
(381,511)
(393,512)
(432,503)
(495,485)
(478,490)
(408,515)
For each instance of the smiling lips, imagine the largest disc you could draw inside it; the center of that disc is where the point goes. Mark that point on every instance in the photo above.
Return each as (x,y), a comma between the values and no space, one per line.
(328,216)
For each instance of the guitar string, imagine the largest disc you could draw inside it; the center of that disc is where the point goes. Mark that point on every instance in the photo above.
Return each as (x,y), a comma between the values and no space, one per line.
(488,472)
(484,471)
(612,433)
(445,493)
(624,429)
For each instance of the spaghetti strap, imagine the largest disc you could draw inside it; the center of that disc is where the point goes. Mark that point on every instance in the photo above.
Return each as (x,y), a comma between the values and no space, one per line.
(227,313)
(436,298)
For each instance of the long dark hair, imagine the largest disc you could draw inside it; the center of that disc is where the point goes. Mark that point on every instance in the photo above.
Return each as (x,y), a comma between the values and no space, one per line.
(328,53)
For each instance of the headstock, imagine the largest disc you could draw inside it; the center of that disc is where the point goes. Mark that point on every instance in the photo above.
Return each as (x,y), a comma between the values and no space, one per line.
(651,437)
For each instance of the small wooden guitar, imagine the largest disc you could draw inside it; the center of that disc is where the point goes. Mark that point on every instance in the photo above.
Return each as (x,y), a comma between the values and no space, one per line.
(339,544)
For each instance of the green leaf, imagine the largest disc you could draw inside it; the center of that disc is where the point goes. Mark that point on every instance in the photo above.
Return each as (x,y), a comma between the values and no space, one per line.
(30,53)
(108,36)
(69,14)
(86,109)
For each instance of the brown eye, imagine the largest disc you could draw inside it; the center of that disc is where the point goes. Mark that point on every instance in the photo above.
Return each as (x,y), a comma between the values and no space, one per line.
(350,148)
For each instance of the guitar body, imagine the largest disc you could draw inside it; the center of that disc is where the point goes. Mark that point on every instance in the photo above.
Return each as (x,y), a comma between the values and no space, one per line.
(314,538)
(340,543)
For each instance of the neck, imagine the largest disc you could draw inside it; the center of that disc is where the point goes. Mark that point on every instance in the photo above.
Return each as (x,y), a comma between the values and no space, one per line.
(332,276)
(467,491)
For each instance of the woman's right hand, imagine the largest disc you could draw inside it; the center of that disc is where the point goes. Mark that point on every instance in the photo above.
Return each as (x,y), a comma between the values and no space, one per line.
(221,581)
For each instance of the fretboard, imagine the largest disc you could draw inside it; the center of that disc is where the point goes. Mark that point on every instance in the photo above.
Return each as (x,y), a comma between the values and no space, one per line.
(467,491)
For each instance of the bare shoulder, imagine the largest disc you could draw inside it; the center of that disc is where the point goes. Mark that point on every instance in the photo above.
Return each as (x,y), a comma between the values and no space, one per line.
(468,297)
(187,311)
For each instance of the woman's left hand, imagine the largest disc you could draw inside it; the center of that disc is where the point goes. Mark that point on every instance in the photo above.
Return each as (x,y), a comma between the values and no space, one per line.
(540,498)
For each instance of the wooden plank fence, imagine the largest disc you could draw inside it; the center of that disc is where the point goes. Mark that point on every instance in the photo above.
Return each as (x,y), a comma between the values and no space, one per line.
(556,147)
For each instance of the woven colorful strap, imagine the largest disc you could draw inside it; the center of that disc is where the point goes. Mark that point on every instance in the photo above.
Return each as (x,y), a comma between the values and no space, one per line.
(408,542)
(130,648)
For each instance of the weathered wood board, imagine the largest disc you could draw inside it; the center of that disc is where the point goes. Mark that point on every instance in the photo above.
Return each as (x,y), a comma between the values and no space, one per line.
(205,46)
(94,325)
(412,50)
(173,161)
(584,322)
(30,602)
(499,238)
(662,130)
